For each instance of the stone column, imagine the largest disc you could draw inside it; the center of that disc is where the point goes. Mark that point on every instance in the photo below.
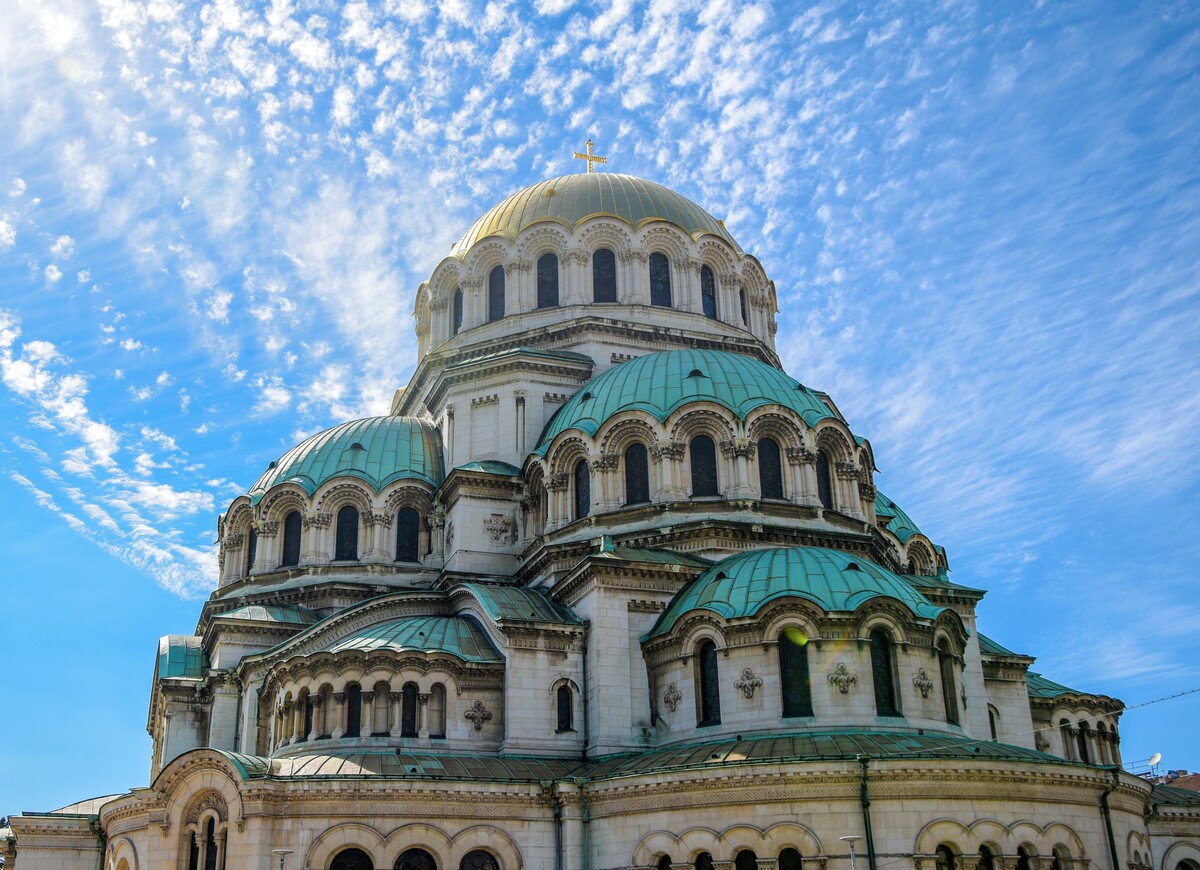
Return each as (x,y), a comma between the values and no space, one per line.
(366,723)
(689,297)
(739,449)
(802,463)
(848,501)
(339,715)
(556,494)
(266,555)
(437,522)
(220,838)
(575,285)
(317,717)
(315,535)
(602,467)
(637,265)
(397,710)
(668,454)
(423,715)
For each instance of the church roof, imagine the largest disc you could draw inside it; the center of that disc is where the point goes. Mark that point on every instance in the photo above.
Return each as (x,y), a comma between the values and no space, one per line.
(833,580)
(376,450)
(284,613)
(1040,687)
(519,604)
(457,635)
(180,656)
(571,199)
(900,524)
(660,383)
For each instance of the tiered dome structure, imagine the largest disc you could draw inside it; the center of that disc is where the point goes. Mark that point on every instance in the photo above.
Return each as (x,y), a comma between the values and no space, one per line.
(607,588)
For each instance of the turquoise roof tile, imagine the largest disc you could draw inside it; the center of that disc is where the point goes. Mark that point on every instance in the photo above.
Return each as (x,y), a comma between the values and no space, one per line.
(901,524)
(989,647)
(491,466)
(660,383)
(457,635)
(284,613)
(376,450)
(1040,687)
(833,580)
(180,656)
(519,603)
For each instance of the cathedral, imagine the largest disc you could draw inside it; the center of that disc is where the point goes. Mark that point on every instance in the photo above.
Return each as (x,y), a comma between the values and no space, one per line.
(607,589)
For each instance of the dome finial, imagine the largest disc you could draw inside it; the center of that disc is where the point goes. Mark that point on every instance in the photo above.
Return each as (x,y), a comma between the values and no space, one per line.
(590,157)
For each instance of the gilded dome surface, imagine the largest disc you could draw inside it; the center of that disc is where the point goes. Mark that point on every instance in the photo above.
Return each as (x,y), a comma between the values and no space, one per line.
(660,383)
(376,450)
(571,199)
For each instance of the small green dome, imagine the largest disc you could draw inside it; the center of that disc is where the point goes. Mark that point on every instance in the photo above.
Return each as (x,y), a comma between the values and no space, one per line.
(659,383)
(835,581)
(376,450)
(456,635)
(572,199)
(900,524)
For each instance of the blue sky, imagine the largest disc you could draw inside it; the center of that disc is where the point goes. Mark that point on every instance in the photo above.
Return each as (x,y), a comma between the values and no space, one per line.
(983,221)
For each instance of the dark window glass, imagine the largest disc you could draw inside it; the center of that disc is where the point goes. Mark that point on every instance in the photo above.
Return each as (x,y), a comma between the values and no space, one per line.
(565,709)
(408,535)
(986,860)
(770,469)
(1055,862)
(496,293)
(353,710)
(992,723)
(308,717)
(547,281)
(415,859)
(352,859)
(703,454)
(824,484)
(292,525)
(1082,737)
(583,490)
(664,863)
(408,710)
(793,667)
(745,311)
(251,549)
(456,313)
(710,685)
(346,549)
(789,859)
(708,292)
(660,280)
(1022,858)
(745,860)
(478,860)
(210,844)
(194,852)
(944,859)
(946,666)
(604,276)
(883,671)
(637,475)
(704,861)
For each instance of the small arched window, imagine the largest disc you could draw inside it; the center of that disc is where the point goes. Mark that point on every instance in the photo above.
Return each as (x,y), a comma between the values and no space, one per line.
(660,280)
(346,546)
(704,861)
(352,859)
(583,489)
(415,859)
(456,311)
(993,722)
(604,276)
(745,860)
(1083,734)
(1101,743)
(770,469)
(637,474)
(306,706)
(1065,733)
(789,859)
(745,310)
(435,712)
(793,670)
(353,710)
(944,858)
(408,535)
(703,455)
(987,860)
(565,709)
(708,292)
(547,281)
(1022,858)
(709,683)
(408,710)
(946,667)
(883,673)
(496,293)
(251,550)
(824,483)
(477,859)
(292,525)
(664,863)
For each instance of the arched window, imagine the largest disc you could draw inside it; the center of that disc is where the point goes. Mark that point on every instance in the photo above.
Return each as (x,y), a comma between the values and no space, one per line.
(547,281)
(946,667)
(944,859)
(660,280)
(583,489)
(793,670)
(703,454)
(770,469)
(745,311)
(883,673)
(604,276)
(408,535)
(993,722)
(203,852)
(435,712)
(987,860)
(1068,741)
(415,859)
(824,484)
(292,525)
(251,549)
(496,293)
(353,710)
(477,859)
(704,861)
(1022,858)
(566,712)
(637,474)
(708,292)
(352,859)
(709,683)
(1084,732)
(745,860)
(1101,743)
(789,859)
(346,548)
(664,863)
(456,313)
(408,710)
(1059,858)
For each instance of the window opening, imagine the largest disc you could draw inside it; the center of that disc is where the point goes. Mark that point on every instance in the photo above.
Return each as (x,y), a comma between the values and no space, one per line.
(496,293)
(408,535)
(456,314)
(353,710)
(708,292)
(883,673)
(604,276)
(946,666)
(745,860)
(583,489)
(709,683)
(770,469)
(793,666)
(292,525)
(660,280)
(478,859)
(435,713)
(408,710)
(415,859)
(352,859)
(251,550)
(704,861)
(704,466)
(346,549)
(944,858)
(565,709)
(547,281)
(824,484)
(637,474)
(745,312)
(789,859)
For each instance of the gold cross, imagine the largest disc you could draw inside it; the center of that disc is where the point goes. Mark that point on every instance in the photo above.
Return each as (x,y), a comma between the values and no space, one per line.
(590,157)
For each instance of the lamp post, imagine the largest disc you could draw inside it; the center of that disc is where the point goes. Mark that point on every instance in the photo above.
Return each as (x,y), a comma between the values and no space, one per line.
(282,853)
(853,854)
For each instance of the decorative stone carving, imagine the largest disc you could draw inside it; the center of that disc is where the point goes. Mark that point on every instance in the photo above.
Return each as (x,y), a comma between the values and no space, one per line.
(557,481)
(207,800)
(632,256)
(867,491)
(672,697)
(667,450)
(842,678)
(740,446)
(922,682)
(1041,742)
(801,455)
(477,715)
(747,683)
(847,470)
(268,528)
(499,528)
(603,461)
(318,520)
(373,518)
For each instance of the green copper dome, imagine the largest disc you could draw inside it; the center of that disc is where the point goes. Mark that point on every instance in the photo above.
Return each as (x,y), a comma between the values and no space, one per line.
(659,383)
(456,635)
(835,581)
(572,199)
(376,450)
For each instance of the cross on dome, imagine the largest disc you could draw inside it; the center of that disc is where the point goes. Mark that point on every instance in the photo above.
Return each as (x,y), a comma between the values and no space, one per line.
(590,157)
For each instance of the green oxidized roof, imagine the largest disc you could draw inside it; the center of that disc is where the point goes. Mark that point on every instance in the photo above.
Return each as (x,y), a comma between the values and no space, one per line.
(989,647)
(659,383)
(377,450)
(835,581)
(285,613)
(457,635)
(901,524)
(1040,687)
(571,199)
(518,603)
(490,466)
(180,656)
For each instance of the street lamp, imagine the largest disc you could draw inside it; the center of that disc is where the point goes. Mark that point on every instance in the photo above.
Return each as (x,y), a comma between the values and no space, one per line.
(282,853)
(850,840)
